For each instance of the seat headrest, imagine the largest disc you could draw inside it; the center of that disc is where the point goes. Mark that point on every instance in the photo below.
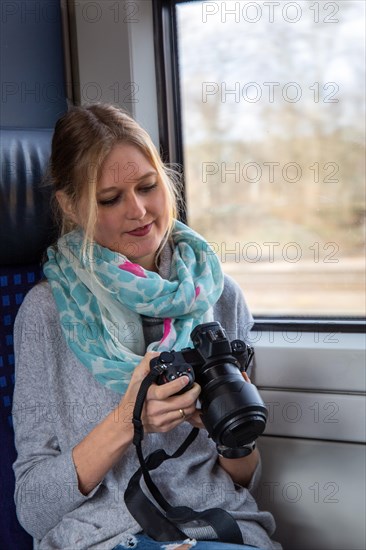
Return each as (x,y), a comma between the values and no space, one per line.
(26,227)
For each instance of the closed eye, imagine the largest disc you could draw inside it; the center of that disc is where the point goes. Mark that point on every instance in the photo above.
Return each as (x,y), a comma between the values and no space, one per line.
(109,202)
(114,200)
(148,188)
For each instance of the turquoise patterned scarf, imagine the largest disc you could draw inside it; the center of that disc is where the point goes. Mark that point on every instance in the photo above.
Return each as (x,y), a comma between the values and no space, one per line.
(101,297)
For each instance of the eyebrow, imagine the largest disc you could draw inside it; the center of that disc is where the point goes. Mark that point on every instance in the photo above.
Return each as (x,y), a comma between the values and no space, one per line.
(116,188)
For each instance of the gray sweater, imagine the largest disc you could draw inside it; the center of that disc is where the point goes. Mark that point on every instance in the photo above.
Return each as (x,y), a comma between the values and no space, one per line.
(57,402)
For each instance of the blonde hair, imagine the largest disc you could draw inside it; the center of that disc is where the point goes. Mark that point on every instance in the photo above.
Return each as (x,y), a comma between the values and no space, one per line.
(82,140)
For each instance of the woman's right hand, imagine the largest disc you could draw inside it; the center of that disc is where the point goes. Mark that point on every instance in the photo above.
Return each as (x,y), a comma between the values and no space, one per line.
(104,445)
(163,410)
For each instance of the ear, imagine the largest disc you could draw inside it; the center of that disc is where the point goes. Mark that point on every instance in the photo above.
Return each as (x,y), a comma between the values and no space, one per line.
(67,206)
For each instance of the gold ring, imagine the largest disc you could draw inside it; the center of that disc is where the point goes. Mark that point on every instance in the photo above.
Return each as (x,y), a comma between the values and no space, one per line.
(182,413)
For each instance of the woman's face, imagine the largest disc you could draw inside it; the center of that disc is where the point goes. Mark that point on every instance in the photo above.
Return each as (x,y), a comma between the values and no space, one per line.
(133,206)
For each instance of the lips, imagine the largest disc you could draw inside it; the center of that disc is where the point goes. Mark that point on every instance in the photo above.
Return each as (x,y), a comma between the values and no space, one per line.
(141,231)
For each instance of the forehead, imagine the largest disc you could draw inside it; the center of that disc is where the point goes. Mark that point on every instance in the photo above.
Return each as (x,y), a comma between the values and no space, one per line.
(125,163)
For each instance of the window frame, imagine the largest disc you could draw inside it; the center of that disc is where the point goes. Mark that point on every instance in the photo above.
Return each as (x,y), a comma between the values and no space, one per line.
(171,147)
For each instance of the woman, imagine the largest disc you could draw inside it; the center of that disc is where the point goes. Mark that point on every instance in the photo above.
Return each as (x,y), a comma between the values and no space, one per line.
(124,282)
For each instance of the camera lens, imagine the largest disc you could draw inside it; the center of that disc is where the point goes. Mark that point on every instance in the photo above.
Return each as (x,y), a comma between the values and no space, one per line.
(243,429)
(232,409)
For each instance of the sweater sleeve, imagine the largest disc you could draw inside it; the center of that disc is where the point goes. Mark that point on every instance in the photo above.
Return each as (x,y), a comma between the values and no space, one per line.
(46,480)
(232,311)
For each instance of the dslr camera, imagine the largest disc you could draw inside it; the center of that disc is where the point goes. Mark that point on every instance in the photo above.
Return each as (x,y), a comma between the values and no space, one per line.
(231,409)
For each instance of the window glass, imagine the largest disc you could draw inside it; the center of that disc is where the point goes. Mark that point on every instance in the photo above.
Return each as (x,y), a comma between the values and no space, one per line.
(273,115)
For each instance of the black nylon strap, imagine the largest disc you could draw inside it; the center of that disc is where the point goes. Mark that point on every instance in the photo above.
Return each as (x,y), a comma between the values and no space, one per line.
(140,399)
(147,515)
(154,460)
(153,522)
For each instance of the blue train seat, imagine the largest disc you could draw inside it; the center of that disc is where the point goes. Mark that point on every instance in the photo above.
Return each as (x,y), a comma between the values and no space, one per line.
(25,231)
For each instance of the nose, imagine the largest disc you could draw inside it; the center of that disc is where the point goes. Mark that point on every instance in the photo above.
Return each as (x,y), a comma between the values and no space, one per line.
(135,207)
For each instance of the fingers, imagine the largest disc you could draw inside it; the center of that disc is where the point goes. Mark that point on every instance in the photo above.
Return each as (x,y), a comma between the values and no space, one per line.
(161,398)
(196,420)
(246,377)
(165,413)
(166,390)
(164,422)
(163,409)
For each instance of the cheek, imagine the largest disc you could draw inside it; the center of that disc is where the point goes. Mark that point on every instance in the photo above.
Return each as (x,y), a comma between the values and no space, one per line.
(162,206)
(107,223)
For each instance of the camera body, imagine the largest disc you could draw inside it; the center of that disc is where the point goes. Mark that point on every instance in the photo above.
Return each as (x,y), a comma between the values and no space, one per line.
(232,409)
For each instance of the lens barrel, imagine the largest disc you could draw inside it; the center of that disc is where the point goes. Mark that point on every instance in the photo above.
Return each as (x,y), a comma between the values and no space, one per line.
(232,409)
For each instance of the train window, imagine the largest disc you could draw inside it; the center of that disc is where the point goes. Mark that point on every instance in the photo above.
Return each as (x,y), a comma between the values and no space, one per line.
(272,99)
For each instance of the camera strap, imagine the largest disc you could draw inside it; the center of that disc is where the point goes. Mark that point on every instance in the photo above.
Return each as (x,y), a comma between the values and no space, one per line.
(156,524)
